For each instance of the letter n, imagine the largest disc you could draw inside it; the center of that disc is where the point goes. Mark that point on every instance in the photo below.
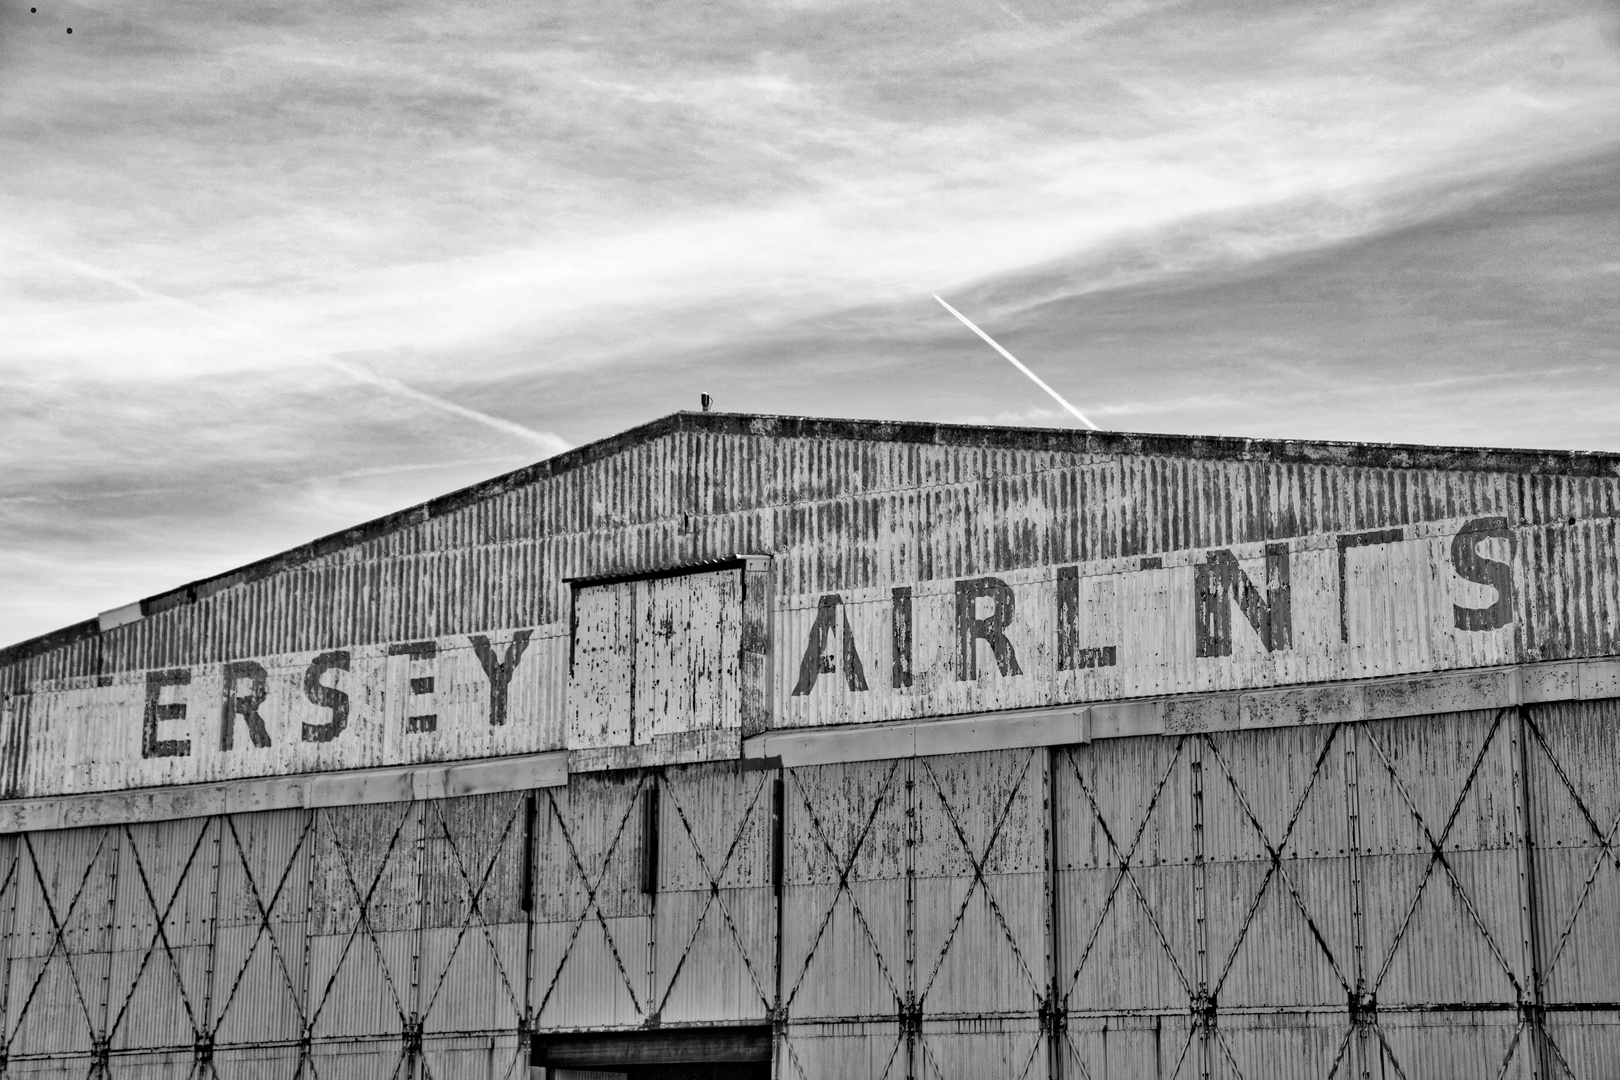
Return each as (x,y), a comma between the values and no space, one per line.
(1219,583)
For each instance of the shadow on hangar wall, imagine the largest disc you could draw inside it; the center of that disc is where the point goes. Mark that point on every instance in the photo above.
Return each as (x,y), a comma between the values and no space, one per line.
(832,748)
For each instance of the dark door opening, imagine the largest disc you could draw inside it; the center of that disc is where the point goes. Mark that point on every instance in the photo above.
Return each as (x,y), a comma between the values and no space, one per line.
(742,1053)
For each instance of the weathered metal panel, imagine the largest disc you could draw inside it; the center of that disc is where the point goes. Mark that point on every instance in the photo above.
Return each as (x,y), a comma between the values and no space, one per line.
(365,914)
(11,864)
(1571,751)
(602,668)
(979,872)
(1586,1043)
(259,958)
(656,658)
(472,952)
(360,984)
(715,923)
(358,1059)
(1156,1046)
(159,986)
(689,646)
(981,1046)
(474,860)
(1454,1046)
(256,1062)
(843,1051)
(1275,843)
(174,1065)
(1278,1046)
(484,1058)
(60,962)
(1444,781)
(472,978)
(844,895)
(1124,879)
(591,974)
(592,958)
(54,1066)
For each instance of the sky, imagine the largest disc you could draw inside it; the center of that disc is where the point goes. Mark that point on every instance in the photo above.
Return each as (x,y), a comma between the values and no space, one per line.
(271,268)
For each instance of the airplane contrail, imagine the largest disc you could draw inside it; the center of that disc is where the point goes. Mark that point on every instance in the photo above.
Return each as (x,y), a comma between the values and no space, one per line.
(1057,397)
(551,444)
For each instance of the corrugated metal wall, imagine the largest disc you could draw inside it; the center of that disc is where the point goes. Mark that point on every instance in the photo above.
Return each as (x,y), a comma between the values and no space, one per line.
(1434,896)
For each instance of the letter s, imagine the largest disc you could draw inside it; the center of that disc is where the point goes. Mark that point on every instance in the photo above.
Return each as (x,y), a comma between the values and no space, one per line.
(327,697)
(1481,570)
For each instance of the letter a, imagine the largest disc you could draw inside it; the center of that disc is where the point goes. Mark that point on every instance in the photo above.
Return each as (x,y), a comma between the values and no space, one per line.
(816,662)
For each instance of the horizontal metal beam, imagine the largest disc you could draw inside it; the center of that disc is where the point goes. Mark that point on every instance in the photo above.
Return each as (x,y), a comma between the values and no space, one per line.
(920,738)
(355,787)
(667,1046)
(1329,703)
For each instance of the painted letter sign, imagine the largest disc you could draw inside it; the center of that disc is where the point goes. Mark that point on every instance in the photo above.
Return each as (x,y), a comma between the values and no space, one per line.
(1316,608)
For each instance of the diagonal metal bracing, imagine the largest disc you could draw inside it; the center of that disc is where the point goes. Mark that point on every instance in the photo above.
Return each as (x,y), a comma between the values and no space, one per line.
(474,912)
(1605,838)
(845,864)
(1175,1070)
(59,932)
(929,1059)
(512,1065)
(591,889)
(1186,1045)
(791,1057)
(1339,1054)
(1034,1052)
(363,918)
(1226,1051)
(1075,1055)
(5,990)
(1124,856)
(1275,869)
(160,935)
(894,1053)
(977,862)
(1513,1044)
(1387,1053)
(1558,1055)
(714,898)
(1437,855)
(264,910)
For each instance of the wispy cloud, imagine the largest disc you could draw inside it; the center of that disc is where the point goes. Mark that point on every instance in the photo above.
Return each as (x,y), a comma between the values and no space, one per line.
(250,245)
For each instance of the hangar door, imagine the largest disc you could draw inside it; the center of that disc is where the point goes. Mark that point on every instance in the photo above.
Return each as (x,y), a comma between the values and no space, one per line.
(655,659)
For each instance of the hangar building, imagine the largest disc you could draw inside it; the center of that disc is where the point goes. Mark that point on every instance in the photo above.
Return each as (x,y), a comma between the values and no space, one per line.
(747,746)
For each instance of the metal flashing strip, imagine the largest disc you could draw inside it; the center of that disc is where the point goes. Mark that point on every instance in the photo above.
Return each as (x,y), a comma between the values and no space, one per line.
(120,616)
(745,561)
(923,738)
(303,791)
(1372,699)
(671,748)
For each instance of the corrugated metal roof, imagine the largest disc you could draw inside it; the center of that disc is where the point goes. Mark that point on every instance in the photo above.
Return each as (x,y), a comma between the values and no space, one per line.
(1196,447)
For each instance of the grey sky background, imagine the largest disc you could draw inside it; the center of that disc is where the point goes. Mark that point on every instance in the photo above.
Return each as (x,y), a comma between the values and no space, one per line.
(270,269)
